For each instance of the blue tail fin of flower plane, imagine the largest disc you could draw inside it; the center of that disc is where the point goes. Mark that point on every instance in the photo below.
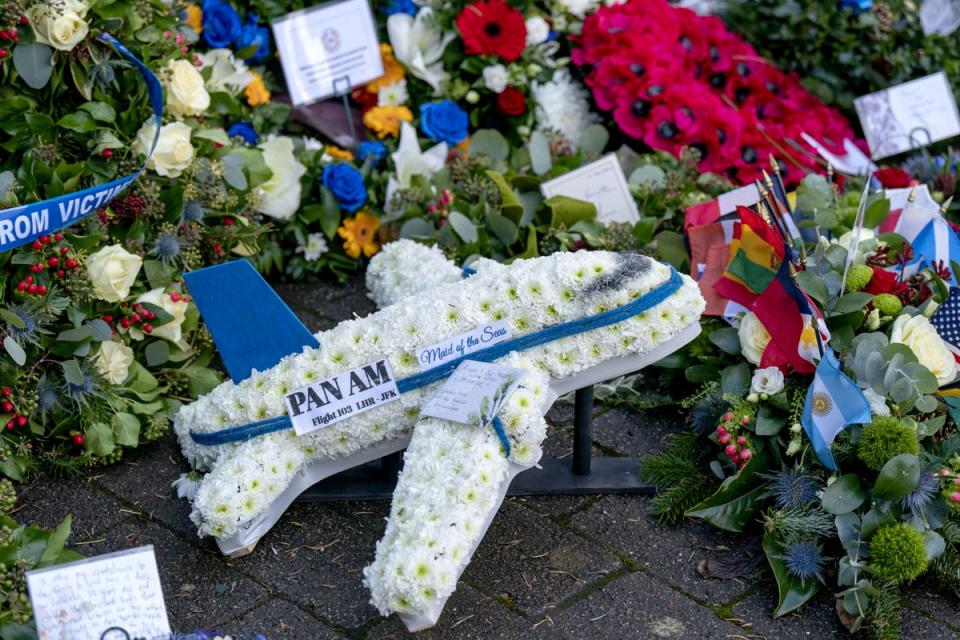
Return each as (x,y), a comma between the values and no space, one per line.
(252,327)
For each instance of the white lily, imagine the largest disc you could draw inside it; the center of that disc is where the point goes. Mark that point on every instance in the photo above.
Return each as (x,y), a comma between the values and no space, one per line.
(410,161)
(418,43)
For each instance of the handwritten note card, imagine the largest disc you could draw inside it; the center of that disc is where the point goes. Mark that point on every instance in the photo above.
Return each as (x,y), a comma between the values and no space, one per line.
(908,115)
(328,49)
(474,393)
(463,344)
(602,183)
(80,600)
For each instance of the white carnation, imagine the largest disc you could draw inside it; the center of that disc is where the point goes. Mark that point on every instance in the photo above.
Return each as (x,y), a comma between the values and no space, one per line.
(562,106)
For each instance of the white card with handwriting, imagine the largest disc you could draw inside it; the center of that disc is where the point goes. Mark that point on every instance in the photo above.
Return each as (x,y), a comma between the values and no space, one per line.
(474,393)
(83,599)
(602,183)
(909,115)
(464,344)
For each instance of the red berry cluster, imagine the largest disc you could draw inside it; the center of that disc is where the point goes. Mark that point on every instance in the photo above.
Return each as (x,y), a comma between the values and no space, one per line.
(951,486)
(16,419)
(52,252)
(128,206)
(9,37)
(137,317)
(442,207)
(734,446)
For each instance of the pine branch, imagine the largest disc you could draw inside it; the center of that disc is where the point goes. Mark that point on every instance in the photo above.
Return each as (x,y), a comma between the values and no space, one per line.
(670,505)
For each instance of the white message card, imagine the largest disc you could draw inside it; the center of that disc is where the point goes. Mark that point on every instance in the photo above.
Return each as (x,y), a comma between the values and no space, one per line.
(83,599)
(342,396)
(464,344)
(908,115)
(602,183)
(940,16)
(474,393)
(328,49)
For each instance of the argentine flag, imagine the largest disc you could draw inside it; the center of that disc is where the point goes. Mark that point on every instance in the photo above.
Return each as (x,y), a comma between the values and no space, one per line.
(833,402)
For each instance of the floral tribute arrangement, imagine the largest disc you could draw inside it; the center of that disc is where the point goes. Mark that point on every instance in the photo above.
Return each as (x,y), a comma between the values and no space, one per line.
(416,568)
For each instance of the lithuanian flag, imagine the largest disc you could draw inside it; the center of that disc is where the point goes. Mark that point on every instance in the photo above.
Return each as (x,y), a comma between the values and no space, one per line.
(756,253)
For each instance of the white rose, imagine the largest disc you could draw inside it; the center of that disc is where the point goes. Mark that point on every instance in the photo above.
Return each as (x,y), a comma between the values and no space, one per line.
(280,195)
(186,95)
(171,330)
(114,360)
(495,78)
(173,154)
(227,73)
(917,333)
(62,26)
(878,404)
(768,380)
(847,239)
(537,31)
(112,271)
(753,338)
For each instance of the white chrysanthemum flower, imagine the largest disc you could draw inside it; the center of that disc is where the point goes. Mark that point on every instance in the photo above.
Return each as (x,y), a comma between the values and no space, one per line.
(393,95)
(316,246)
(562,106)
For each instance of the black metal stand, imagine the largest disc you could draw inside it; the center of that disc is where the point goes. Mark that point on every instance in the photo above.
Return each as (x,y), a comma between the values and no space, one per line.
(344,95)
(585,475)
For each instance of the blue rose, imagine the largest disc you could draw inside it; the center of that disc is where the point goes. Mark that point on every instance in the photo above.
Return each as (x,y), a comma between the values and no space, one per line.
(253,34)
(221,24)
(444,121)
(346,185)
(400,6)
(243,130)
(375,150)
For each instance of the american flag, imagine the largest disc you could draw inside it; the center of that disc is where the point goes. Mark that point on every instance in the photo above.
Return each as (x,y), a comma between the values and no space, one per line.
(946,320)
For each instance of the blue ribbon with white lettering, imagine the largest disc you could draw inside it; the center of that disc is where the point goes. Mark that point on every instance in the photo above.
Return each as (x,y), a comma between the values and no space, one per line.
(22,225)
(521,343)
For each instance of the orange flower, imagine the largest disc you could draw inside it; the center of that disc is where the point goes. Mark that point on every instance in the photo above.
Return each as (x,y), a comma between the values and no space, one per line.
(385,121)
(392,70)
(339,154)
(194,18)
(256,91)
(360,234)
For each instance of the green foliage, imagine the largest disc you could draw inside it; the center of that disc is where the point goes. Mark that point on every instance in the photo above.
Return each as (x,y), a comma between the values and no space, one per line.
(858,277)
(891,370)
(677,473)
(884,613)
(888,304)
(798,523)
(885,438)
(898,553)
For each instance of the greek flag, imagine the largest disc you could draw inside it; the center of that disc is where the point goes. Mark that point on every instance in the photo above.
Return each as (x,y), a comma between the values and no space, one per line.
(833,402)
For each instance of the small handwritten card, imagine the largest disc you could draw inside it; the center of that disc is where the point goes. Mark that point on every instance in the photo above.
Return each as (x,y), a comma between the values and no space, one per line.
(342,396)
(80,600)
(463,344)
(940,17)
(602,183)
(328,49)
(474,393)
(909,115)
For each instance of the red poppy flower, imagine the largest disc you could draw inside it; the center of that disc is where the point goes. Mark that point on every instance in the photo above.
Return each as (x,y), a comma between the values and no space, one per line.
(511,102)
(493,28)
(893,178)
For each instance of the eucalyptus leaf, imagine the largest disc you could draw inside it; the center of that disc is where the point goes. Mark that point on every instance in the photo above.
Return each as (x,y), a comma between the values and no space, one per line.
(15,351)
(157,353)
(417,228)
(898,477)
(33,62)
(593,139)
(844,495)
(464,227)
(99,439)
(735,379)
(490,143)
(540,156)
(72,372)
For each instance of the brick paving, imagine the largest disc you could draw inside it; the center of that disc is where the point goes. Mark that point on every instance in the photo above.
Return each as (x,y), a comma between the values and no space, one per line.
(559,567)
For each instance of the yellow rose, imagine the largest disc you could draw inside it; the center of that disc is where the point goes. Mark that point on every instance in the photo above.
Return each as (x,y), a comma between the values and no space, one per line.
(170,331)
(112,271)
(186,95)
(173,154)
(114,360)
(917,333)
(60,25)
(753,338)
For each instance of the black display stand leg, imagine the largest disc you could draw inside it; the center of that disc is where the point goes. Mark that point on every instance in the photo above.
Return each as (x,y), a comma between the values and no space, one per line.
(584,475)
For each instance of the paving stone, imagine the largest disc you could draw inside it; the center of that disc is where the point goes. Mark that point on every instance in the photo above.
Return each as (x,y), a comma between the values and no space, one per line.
(278,619)
(45,501)
(635,434)
(534,563)
(315,556)
(935,602)
(672,553)
(916,626)
(638,605)
(322,304)
(554,506)
(468,615)
(816,620)
(202,591)
(144,478)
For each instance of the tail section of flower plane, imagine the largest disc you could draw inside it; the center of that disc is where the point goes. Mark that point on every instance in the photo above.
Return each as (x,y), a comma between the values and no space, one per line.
(573,319)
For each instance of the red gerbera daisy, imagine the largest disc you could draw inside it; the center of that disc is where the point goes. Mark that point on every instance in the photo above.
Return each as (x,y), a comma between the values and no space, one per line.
(493,28)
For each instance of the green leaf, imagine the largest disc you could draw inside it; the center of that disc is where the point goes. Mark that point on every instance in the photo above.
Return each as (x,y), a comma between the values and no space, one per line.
(100,330)
(201,380)
(55,543)
(727,339)
(233,173)
(730,513)
(649,175)
(792,592)
(876,213)
(568,211)
(593,140)
(504,228)
(99,438)
(814,286)
(157,353)
(79,121)
(34,63)
(464,227)
(844,495)
(72,372)
(672,248)
(417,228)
(490,143)
(735,379)
(100,111)
(815,193)
(12,319)
(852,302)
(700,373)
(510,205)
(126,429)
(769,423)
(15,351)
(77,334)
(540,156)
(898,477)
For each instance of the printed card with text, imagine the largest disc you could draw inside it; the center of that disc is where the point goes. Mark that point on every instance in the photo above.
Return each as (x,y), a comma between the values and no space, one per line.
(602,183)
(84,599)
(328,49)
(909,115)
(474,393)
